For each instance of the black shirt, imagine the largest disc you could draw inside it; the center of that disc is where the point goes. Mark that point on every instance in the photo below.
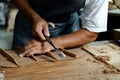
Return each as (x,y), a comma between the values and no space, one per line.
(56,8)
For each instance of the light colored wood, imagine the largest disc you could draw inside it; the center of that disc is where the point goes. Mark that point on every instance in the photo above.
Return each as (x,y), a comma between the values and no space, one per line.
(74,52)
(83,68)
(8,56)
(107,50)
(68,53)
(35,58)
(51,56)
(4,62)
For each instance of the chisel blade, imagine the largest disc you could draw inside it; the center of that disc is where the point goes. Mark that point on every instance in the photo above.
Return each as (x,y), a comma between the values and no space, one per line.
(62,55)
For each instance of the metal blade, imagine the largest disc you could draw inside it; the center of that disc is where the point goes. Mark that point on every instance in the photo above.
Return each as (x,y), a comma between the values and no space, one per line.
(62,55)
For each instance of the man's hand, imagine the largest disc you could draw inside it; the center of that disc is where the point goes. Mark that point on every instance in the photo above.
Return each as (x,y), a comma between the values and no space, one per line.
(35,47)
(40,28)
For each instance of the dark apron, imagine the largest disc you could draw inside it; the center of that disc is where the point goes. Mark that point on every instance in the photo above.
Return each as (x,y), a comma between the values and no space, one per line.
(66,20)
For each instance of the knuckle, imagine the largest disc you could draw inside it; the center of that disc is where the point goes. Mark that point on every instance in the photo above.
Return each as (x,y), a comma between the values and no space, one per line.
(33,42)
(31,53)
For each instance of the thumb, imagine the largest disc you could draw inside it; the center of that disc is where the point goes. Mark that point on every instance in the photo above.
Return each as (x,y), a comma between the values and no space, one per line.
(46,31)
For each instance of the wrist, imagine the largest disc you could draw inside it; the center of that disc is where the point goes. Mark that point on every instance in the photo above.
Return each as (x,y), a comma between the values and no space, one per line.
(36,18)
(57,42)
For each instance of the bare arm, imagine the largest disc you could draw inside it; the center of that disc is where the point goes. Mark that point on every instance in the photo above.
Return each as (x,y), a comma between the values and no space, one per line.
(67,41)
(23,6)
(75,39)
(40,26)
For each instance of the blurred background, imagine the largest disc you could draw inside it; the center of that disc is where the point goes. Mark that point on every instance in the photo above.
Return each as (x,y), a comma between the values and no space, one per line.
(7,16)
(8,12)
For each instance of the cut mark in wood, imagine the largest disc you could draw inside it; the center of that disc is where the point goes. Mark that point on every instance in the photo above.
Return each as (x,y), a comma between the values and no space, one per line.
(34,58)
(53,55)
(50,56)
(9,57)
(109,55)
(68,53)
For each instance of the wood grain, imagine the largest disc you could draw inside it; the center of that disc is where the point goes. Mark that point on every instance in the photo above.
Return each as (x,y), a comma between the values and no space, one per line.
(9,57)
(105,50)
(85,67)
(50,56)
(74,69)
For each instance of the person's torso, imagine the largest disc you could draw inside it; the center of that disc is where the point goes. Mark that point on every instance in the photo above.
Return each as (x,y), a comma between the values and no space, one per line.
(58,8)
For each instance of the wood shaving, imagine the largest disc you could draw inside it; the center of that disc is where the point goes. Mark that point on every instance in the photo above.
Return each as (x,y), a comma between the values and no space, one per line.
(111,71)
(88,59)
(102,51)
(103,58)
(95,61)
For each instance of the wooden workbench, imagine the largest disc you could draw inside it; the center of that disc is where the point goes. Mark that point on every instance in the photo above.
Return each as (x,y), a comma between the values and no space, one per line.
(83,68)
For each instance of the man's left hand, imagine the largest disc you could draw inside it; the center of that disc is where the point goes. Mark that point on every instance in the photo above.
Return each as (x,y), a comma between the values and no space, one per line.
(35,47)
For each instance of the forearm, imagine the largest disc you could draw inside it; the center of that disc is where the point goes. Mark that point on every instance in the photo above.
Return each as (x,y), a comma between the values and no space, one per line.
(75,39)
(25,8)
(66,41)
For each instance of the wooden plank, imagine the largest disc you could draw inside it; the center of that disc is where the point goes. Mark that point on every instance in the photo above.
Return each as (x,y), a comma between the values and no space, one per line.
(106,52)
(4,62)
(83,68)
(74,52)
(51,56)
(9,57)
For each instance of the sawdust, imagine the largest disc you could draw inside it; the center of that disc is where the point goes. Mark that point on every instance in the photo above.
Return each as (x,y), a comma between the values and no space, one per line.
(102,50)
(88,59)
(103,58)
(108,53)
(94,61)
(78,69)
(111,71)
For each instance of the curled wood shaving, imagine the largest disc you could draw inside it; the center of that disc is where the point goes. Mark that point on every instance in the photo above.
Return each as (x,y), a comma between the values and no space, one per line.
(103,58)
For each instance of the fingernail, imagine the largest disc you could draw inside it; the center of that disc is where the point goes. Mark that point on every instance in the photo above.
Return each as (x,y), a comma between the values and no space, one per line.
(20,55)
(48,34)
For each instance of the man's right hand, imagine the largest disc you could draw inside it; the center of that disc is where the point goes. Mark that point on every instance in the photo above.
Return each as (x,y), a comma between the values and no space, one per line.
(40,28)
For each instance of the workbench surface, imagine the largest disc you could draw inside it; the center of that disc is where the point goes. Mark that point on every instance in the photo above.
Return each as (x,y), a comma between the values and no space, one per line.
(84,68)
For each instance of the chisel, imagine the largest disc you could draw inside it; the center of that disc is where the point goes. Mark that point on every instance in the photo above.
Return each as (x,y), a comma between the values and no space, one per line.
(62,55)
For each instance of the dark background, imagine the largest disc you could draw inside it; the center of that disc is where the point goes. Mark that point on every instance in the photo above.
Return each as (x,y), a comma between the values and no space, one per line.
(113,23)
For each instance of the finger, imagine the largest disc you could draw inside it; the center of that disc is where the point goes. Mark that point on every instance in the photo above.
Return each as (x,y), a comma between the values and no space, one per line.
(33,52)
(26,51)
(29,51)
(29,44)
(46,31)
(23,53)
(40,34)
